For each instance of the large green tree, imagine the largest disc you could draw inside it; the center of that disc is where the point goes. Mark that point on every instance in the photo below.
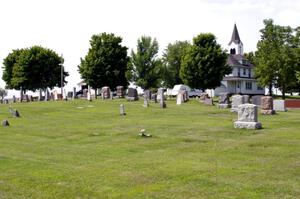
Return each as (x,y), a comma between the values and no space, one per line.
(172,58)
(33,68)
(276,57)
(144,64)
(204,64)
(105,63)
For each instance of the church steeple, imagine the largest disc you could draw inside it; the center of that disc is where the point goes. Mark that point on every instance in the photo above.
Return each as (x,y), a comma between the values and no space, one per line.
(235,43)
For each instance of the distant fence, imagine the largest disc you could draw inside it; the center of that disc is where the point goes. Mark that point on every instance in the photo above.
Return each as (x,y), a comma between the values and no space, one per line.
(292,103)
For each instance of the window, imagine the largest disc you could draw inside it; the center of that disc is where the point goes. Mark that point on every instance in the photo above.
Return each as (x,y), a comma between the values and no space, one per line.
(249,72)
(244,71)
(238,72)
(248,85)
(260,88)
(238,85)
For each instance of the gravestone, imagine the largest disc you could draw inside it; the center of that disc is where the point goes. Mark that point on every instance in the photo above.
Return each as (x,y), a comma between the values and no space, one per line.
(147,94)
(105,92)
(246,99)
(146,103)
(208,101)
(203,96)
(236,101)
(224,100)
(154,97)
(55,94)
(111,94)
(180,98)
(256,99)
(247,117)
(185,96)
(30,98)
(65,97)
(74,93)
(267,105)
(162,98)
(16,113)
(14,99)
(89,97)
(120,91)
(122,110)
(25,98)
(279,105)
(132,94)
(70,95)
(40,97)
(5,123)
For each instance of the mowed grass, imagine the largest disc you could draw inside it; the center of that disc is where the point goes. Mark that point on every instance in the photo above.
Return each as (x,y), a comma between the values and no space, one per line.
(57,150)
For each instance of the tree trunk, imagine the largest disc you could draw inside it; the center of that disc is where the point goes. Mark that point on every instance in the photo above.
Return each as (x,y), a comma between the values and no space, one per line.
(283,92)
(21,94)
(270,90)
(95,93)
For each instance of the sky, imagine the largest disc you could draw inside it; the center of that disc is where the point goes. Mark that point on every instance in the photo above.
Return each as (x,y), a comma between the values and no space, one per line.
(66,26)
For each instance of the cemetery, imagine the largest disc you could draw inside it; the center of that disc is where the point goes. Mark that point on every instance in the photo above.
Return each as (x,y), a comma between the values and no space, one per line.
(124,149)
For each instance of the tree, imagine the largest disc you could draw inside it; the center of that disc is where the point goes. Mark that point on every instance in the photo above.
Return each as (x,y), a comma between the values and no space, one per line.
(33,68)
(250,57)
(276,57)
(172,58)
(144,65)
(204,64)
(105,63)
(3,93)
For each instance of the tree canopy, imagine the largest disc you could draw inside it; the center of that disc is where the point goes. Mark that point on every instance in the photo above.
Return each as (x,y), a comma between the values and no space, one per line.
(172,58)
(277,57)
(105,63)
(144,64)
(204,64)
(33,68)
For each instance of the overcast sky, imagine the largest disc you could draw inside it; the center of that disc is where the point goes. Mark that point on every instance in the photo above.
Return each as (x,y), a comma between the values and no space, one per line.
(66,26)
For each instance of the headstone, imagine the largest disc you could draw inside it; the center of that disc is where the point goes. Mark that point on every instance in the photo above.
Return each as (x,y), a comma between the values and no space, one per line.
(209,101)
(74,93)
(185,96)
(162,98)
(30,98)
(147,94)
(105,92)
(132,94)
(25,98)
(267,105)
(180,98)
(256,99)
(55,94)
(89,97)
(154,97)
(146,103)
(122,109)
(247,117)
(203,96)
(111,94)
(16,113)
(279,105)
(5,123)
(224,100)
(246,99)
(40,95)
(236,101)
(65,97)
(14,99)
(143,133)
(47,95)
(120,91)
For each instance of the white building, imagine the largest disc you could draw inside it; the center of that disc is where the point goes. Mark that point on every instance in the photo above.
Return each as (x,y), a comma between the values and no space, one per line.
(242,79)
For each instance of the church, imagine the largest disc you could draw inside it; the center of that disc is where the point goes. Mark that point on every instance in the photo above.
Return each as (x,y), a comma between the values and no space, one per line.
(242,79)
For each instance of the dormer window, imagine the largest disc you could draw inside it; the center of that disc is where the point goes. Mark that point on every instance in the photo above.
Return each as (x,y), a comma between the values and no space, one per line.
(232,51)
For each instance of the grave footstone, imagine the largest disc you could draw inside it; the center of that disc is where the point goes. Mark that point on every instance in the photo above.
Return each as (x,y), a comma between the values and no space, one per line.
(16,113)
(256,99)
(122,110)
(120,91)
(132,94)
(224,100)
(267,105)
(247,117)
(279,105)
(5,123)
(236,101)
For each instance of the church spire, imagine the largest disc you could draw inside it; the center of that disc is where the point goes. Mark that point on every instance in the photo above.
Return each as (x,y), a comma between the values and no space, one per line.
(236,41)
(235,38)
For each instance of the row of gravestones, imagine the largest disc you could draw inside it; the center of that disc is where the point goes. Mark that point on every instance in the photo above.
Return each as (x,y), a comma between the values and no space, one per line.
(14,113)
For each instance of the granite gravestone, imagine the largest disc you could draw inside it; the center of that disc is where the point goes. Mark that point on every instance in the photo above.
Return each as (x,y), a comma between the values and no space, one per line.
(246,99)
(224,100)
(256,99)
(105,92)
(180,97)
(147,94)
(279,105)
(120,91)
(132,94)
(236,101)
(162,97)
(267,105)
(247,117)
(154,97)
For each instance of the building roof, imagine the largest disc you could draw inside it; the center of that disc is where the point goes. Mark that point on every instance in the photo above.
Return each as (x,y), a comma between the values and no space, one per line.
(235,37)
(238,60)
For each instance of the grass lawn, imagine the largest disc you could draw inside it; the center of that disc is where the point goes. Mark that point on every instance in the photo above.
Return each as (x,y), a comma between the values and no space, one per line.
(57,150)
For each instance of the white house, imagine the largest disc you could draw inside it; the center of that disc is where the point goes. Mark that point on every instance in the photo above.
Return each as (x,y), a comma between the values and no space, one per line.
(242,79)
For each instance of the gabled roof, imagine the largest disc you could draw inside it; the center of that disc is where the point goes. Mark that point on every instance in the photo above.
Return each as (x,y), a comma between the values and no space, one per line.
(235,37)
(238,60)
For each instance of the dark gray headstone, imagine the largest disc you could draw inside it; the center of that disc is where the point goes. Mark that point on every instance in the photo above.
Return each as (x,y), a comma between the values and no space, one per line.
(120,91)
(132,94)
(224,100)
(147,94)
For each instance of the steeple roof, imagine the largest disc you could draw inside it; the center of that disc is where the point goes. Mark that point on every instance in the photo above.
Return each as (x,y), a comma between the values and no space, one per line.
(235,38)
